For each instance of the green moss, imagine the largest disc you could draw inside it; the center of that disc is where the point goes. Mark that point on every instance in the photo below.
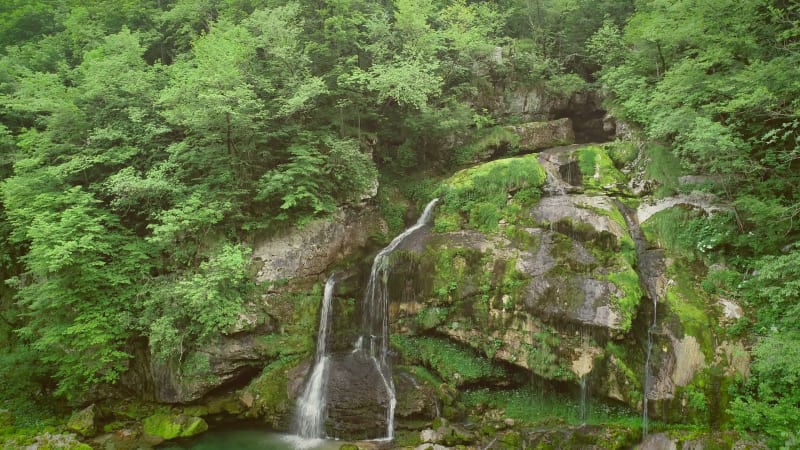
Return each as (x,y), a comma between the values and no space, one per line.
(167,426)
(621,152)
(628,282)
(620,367)
(688,302)
(487,142)
(480,195)
(512,440)
(598,169)
(542,357)
(431,317)
(532,404)
(298,313)
(270,390)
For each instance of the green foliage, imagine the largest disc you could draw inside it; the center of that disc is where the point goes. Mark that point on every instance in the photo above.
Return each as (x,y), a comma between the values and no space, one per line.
(480,194)
(769,401)
(688,233)
(534,404)
(663,167)
(453,364)
(622,152)
(197,307)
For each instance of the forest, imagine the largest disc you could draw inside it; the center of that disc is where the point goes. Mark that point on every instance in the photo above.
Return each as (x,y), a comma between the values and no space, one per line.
(145,145)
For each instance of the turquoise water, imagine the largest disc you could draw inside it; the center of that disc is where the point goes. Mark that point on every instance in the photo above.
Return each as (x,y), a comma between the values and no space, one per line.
(250,439)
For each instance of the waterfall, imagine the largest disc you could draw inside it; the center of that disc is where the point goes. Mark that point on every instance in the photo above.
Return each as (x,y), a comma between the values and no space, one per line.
(310,414)
(375,342)
(650,264)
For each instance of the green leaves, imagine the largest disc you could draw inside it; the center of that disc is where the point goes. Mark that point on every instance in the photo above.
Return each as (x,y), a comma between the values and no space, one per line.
(407,81)
(198,306)
(297,184)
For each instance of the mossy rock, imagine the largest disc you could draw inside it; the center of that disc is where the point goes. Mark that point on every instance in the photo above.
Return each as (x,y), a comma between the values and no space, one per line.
(82,421)
(6,418)
(167,426)
(349,447)
(270,392)
(512,440)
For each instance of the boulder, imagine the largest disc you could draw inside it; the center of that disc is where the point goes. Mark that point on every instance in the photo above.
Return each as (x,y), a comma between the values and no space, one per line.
(541,135)
(169,426)
(82,421)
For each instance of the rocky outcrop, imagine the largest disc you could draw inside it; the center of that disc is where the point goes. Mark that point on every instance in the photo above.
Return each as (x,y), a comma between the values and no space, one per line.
(541,135)
(309,251)
(528,103)
(228,358)
(565,287)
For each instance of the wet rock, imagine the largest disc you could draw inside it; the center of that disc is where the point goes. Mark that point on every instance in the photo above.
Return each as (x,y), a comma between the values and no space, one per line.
(65,441)
(357,402)
(416,400)
(447,434)
(275,392)
(657,441)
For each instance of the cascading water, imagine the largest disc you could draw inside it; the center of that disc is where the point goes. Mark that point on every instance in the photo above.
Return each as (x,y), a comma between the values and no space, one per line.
(374,343)
(650,264)
(310,416)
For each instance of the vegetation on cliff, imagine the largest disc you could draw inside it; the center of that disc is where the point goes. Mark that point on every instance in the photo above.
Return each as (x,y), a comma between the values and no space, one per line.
(144,144)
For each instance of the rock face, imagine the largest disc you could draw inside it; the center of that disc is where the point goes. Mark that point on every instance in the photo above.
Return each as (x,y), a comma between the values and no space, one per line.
(567,287)
(229,358)
(536,103)
(311,250)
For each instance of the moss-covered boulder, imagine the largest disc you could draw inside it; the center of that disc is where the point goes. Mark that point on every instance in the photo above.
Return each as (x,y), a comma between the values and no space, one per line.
(169,426)
(275,390)
(82,421)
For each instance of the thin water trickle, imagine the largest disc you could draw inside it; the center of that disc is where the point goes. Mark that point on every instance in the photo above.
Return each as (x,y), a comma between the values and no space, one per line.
(374,343)
(310,416)
(649,265)
(648,379)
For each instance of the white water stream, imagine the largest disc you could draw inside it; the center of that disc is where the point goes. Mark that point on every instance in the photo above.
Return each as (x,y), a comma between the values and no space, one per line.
(311,405)
(375,343)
